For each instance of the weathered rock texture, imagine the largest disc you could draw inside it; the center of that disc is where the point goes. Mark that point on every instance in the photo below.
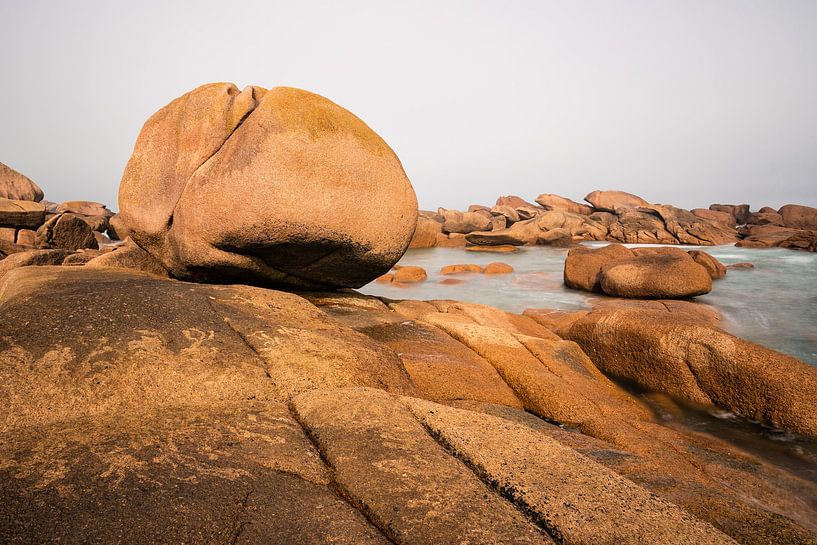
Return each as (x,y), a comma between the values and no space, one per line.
(21,213)
(318,199)
(136,409)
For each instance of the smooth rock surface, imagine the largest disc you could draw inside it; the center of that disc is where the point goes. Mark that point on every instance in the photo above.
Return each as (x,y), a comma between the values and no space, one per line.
(700,363)
(799,216)
(328,203)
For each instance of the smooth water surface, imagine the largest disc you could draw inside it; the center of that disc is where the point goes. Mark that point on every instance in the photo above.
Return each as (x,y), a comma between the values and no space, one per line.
(774,304)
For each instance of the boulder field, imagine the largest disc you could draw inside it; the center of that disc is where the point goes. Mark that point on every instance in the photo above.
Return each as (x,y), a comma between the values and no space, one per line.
(213,379)
(141,409)
(614,216)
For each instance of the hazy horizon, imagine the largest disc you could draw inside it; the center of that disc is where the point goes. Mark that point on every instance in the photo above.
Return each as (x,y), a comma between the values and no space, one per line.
(684,103)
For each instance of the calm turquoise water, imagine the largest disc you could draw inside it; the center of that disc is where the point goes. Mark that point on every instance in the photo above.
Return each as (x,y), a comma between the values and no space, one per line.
(774,304)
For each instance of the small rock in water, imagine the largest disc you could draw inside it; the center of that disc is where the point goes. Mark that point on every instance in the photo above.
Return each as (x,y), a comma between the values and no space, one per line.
(461,268)
(502,248)
(497,267)
(409,274)
(744,266)
(385,279)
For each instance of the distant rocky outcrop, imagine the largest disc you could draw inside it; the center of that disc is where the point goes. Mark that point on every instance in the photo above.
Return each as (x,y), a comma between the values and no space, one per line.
(614,216)
(324,200)
(611,201)
(799,217)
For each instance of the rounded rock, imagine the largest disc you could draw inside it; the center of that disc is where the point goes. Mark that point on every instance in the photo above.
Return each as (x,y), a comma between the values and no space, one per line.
(266,187)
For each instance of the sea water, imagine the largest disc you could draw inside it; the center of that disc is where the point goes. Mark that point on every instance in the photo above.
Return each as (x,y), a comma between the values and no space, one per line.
(774,304)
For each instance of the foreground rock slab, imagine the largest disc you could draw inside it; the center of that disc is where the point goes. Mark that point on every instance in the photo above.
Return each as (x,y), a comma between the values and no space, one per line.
(231,473)
(551,481)
(366,437)
(172,343)
(138,409)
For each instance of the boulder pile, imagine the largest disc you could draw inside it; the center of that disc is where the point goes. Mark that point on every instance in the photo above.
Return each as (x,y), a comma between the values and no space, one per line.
(28,223)
(614,216)
(138,408)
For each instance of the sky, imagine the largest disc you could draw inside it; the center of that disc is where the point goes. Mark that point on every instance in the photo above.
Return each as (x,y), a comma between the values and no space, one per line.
(685,102)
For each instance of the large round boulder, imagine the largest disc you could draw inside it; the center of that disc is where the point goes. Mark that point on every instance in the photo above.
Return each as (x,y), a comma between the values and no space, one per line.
(266,187)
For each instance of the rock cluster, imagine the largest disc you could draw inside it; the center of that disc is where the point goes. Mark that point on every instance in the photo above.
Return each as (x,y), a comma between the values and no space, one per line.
(206,413)
(137,408)
(614,216)
(29,224)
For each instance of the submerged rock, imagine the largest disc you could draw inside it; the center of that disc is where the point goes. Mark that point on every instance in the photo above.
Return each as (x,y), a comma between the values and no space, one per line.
(497,267)
(461,268)
(311,171)
(409,274)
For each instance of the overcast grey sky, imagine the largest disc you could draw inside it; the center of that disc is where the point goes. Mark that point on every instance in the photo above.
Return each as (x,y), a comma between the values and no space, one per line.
(681,102)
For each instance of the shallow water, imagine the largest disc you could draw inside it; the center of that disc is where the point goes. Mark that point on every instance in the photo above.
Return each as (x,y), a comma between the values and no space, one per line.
(774,304)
